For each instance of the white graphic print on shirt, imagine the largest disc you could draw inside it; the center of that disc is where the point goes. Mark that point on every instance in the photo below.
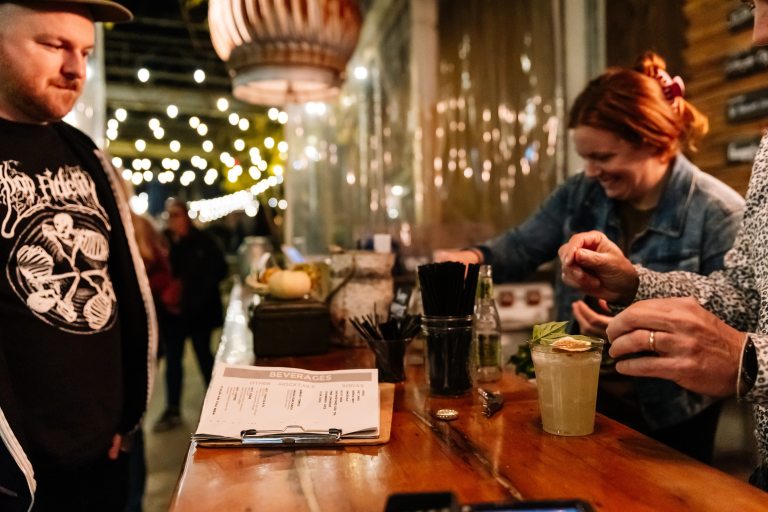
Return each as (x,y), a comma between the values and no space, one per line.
(58,263)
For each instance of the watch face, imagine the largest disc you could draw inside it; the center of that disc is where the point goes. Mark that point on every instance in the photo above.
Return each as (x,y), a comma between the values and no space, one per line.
(748,373)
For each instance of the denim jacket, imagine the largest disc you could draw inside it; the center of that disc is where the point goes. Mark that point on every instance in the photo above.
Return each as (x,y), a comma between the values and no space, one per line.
(694,225)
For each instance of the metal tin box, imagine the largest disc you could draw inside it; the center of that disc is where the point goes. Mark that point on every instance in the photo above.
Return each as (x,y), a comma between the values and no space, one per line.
(290,327)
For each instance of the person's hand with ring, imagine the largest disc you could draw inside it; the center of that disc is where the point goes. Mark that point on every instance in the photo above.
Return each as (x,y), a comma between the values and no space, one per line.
(692,346)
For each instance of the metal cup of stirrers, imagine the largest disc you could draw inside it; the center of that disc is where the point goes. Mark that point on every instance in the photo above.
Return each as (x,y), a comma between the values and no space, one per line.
(448,296)
(388,341)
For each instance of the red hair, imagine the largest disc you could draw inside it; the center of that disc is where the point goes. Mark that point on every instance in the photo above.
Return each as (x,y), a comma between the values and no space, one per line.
(631,104)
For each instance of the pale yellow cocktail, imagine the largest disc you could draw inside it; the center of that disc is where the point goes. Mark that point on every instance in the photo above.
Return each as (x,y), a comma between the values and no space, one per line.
(567,386)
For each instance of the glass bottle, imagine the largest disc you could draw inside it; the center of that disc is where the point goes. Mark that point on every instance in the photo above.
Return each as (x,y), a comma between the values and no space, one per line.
(487,327)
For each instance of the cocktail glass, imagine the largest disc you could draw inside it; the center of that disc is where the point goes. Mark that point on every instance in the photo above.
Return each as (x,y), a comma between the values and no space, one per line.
(567,387)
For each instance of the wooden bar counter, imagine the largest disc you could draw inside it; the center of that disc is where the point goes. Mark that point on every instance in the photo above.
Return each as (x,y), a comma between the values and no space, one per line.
(505,458)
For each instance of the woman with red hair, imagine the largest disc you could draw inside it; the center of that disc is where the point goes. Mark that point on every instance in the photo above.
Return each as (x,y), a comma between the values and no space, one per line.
(631,127)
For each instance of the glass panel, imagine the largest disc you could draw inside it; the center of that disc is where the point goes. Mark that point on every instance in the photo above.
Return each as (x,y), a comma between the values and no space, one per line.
(448,171)
(499,116)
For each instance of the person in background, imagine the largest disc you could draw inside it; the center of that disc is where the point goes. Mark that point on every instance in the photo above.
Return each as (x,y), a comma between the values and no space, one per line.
(708,334)
(78,333)
(192,304)
(154,253)
(630,126)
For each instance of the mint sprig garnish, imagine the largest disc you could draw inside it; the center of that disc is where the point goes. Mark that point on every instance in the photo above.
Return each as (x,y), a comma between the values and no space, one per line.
(548,333)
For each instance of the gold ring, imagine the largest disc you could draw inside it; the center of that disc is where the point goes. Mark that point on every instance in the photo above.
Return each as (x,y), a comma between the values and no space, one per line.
(652,341)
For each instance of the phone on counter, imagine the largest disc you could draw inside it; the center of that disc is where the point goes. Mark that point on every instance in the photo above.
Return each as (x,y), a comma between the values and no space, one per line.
(533,506)
(446,502)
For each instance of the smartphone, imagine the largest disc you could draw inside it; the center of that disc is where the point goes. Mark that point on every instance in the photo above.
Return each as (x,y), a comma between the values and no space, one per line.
(534,506)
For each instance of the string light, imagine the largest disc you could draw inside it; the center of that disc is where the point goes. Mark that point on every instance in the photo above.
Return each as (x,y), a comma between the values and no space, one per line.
(139,203)
(207,210)
(233,166)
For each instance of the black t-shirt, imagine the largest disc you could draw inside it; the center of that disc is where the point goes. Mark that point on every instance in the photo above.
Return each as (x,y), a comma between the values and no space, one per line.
(59,326)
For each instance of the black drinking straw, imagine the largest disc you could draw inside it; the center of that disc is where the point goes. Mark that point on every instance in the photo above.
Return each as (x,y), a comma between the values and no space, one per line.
(388,341)
(448,288)
(392,329)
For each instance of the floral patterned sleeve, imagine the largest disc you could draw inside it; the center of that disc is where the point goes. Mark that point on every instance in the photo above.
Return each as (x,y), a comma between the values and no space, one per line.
(738,294)
(731,293)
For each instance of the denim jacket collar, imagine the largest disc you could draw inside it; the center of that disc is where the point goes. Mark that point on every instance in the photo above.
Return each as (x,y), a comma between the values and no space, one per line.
(669,218)
(671,211)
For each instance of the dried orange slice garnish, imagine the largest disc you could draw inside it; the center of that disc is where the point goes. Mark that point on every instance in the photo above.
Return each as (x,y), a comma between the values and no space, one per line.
(571,344)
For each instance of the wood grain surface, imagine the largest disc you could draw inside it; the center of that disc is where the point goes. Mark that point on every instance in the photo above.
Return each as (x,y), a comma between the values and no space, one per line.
(505,458)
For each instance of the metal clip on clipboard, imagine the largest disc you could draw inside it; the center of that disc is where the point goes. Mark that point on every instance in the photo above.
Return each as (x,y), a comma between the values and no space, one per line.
(291,435)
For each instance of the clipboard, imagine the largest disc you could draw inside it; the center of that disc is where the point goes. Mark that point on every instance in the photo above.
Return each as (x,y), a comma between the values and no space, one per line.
(295,437)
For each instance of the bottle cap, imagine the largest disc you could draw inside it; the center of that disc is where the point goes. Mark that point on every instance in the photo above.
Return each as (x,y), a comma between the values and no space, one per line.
(447,414)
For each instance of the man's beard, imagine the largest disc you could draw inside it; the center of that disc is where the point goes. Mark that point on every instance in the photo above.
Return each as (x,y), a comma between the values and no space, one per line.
(50,107)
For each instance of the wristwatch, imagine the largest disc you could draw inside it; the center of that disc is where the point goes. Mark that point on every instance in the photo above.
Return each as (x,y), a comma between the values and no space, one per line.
(748,373)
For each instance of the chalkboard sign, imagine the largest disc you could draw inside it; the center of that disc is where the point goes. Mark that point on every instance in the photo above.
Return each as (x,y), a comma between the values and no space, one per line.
(742,151)
(744,107)
(746,63)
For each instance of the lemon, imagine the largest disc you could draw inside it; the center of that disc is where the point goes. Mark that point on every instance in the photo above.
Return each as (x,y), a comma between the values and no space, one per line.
(571,344)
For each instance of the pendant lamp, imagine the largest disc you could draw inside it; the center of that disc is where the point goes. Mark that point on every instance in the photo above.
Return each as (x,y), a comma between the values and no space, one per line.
(284,51)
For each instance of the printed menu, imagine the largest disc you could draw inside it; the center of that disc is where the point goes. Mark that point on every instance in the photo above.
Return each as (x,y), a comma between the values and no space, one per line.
(273,400)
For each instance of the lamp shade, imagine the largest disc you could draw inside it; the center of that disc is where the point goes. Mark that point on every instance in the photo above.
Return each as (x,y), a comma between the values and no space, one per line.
(284,51)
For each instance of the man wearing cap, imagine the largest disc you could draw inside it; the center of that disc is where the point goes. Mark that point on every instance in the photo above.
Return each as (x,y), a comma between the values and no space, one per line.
(78,328)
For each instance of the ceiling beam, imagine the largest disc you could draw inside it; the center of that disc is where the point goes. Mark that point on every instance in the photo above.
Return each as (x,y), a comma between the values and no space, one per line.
(157,152)
(157,98)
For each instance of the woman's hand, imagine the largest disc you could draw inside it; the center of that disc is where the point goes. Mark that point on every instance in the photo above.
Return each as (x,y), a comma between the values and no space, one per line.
(114,450)
(466,257)
(692,346)
(590,321)
(594,264)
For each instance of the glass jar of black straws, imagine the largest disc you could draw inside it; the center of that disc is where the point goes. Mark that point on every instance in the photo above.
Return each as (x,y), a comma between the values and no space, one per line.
(449,351)
(448,297)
